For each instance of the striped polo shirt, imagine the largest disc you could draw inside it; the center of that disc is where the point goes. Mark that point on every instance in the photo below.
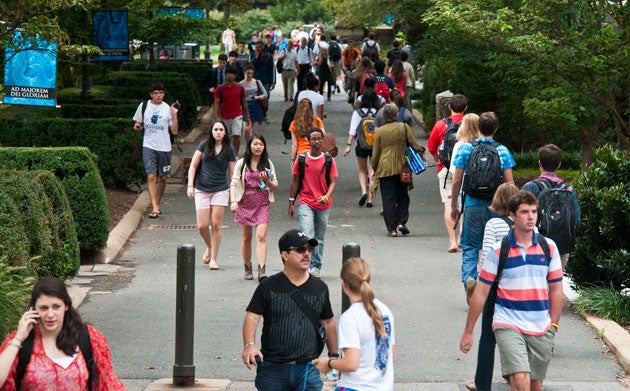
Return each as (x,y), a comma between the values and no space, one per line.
(522,297)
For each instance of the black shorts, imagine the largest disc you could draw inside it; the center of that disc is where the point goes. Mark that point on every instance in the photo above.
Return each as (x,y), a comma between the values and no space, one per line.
(363,153)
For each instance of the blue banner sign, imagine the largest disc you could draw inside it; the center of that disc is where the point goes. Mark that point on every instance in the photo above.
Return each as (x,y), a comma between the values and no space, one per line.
(111,34)
(30,72)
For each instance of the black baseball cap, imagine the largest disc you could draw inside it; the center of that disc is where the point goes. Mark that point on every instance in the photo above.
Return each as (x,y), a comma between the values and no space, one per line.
(295,238)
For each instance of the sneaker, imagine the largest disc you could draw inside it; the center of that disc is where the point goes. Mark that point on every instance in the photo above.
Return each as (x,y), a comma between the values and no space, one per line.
(471,283)
(315,272)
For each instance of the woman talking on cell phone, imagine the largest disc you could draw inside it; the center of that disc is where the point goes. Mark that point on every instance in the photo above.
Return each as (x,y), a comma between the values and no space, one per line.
(51,333)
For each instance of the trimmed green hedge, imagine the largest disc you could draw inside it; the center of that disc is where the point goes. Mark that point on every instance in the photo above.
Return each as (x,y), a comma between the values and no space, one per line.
(179,86)
(45,226)
(118,147)
(197,70)
(570,160)
(76,169)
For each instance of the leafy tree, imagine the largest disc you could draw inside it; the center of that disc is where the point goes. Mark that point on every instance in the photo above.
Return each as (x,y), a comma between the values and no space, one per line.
(570,57)
(308,11)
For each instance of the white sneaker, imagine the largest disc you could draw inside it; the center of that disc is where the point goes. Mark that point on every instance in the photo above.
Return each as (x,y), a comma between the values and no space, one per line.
(315,272)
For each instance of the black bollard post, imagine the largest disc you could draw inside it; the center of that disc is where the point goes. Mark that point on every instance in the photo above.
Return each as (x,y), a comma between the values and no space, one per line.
(349,250)
(184,370)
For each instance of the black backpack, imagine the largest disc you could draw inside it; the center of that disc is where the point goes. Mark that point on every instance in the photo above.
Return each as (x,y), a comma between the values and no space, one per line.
(287,118)
(483,174)
(334,51)
(85,344)
(556,214)
(371,51)
(445,150)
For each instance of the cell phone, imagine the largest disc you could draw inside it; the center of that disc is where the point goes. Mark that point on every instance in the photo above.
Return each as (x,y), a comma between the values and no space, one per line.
(176,105)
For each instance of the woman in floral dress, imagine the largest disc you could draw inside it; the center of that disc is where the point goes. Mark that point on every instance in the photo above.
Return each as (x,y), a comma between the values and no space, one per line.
(252,191)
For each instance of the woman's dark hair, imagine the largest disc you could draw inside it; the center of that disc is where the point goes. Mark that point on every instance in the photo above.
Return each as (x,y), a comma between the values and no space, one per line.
(397,71)
(264,158)
(370,99)
(311,81)
(68,337)
(225,143)
(248,67)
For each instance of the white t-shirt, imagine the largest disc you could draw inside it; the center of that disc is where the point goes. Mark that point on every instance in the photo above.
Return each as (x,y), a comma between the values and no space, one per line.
(317,48)
(316,98)
(356,119)
(157,120)
(376,365)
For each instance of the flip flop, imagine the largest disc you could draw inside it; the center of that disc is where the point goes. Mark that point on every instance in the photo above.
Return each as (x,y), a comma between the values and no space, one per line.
(206,257)
(154,215)
(213,265)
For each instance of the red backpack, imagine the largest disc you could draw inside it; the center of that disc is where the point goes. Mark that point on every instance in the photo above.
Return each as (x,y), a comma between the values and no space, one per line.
(366,75)
(381,88)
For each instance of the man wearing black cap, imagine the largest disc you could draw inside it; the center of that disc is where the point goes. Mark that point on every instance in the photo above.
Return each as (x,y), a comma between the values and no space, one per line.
(290,303)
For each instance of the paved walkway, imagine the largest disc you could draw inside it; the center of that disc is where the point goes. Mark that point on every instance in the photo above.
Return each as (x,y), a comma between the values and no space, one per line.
(414,275)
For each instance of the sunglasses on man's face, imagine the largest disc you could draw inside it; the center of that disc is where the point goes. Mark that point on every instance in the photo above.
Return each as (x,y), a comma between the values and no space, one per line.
(300,250)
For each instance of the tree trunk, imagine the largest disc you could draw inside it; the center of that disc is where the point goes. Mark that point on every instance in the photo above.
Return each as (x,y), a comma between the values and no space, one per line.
(587,145)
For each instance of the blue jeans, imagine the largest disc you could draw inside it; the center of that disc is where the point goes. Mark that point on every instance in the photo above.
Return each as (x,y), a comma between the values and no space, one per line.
(475,219)
(272,376)
(485,355)
(313,224)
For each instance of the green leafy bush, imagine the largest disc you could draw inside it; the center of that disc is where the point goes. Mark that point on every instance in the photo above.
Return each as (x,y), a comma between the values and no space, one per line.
(601,254)
(570,160)
(76,169)
(606,302)
(15,293)
(43,224)
(178,86)
(118,147)
(197,70)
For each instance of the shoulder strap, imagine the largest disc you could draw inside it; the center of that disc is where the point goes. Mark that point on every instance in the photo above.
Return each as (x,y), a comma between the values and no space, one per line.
(24,357)
(507,220)
(545,246)
(145,103)
(327,166)
(301,168)
(85,344)
(308,310)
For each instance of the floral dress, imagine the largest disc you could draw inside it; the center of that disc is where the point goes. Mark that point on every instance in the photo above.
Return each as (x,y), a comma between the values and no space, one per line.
(254,207)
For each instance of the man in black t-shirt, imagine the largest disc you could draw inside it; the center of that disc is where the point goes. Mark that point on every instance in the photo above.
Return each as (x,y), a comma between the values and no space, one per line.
(289,338)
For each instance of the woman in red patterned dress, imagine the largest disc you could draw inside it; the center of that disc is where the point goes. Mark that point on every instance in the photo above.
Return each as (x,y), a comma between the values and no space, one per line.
(56,362)
(251,190)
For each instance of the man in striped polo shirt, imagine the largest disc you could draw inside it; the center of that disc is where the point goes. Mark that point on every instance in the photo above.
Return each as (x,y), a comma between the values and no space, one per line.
(529,298)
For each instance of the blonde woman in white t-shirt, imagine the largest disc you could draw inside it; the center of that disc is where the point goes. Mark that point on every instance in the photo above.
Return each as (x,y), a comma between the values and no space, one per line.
(366,335)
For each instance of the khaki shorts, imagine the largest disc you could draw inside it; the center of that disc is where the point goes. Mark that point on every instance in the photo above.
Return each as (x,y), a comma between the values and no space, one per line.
(524,353)
(234,126)
(205,200)
(445,192)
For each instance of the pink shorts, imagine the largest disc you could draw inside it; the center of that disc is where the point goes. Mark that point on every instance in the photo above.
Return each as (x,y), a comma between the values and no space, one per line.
(204,200)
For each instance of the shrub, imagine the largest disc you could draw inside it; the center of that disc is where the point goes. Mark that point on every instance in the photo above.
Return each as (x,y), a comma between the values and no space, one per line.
(197,70)
(570,160)
(118,147)
(43,213)
(13,241)
(601,254)
(134,85)
(15,293)
(76,169)
(605,302)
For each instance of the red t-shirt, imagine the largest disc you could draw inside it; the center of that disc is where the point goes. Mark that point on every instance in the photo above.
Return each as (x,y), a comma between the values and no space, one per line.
(314,181)
(437,136)
(230,98)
